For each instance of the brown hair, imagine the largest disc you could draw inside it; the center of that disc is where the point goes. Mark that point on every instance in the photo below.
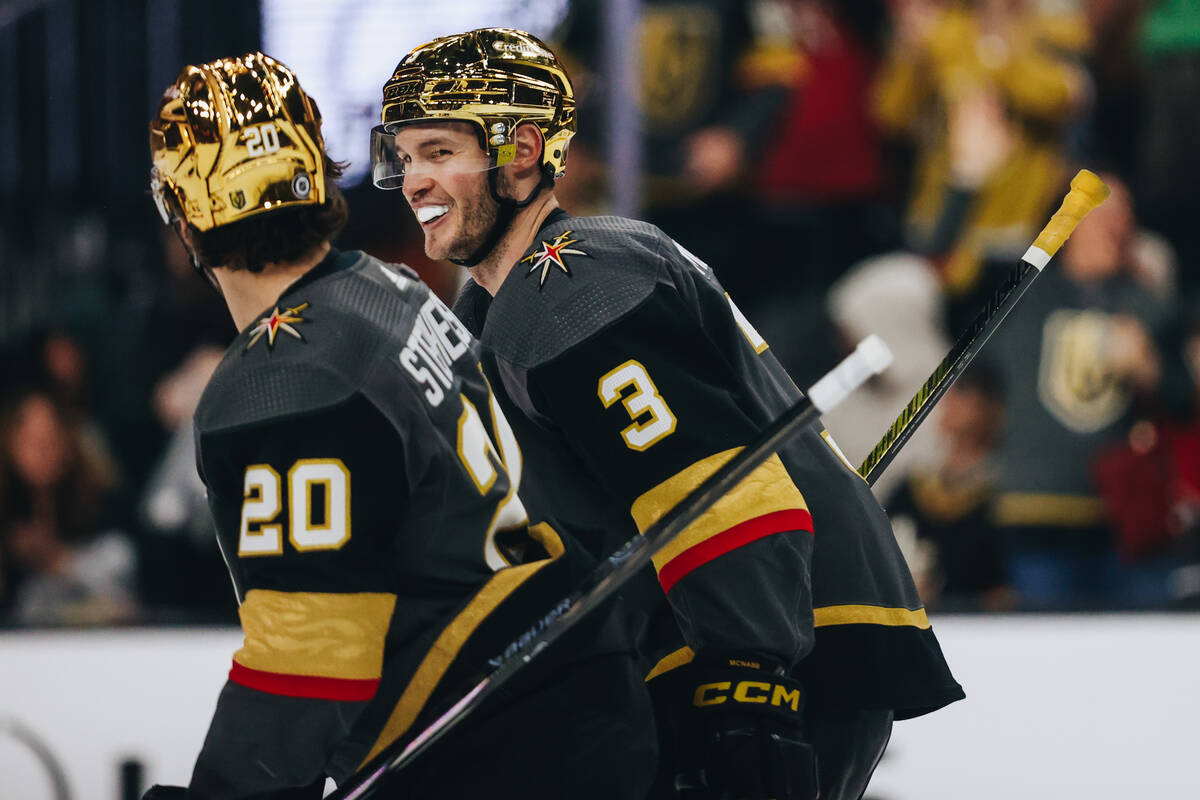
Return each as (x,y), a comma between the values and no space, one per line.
(77,493)
(280,236)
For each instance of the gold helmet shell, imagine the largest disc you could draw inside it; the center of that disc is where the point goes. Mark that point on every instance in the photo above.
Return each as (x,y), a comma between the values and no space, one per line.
(494,78)
(235,138)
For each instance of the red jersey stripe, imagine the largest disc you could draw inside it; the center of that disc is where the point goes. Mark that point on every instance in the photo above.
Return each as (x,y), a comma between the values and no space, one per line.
(303,685)
(731,539)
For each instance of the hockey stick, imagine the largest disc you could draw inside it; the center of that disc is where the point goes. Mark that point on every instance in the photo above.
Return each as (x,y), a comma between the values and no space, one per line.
(869,358)
(1087,192)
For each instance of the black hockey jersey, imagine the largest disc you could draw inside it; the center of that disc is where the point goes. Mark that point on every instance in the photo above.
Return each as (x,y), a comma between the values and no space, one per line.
(629,376)
(362,479)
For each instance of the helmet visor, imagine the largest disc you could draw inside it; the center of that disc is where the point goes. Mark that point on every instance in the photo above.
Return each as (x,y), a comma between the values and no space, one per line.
(387,167)
(390,165)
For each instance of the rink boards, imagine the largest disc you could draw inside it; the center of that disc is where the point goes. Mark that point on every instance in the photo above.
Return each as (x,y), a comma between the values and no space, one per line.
(1096,706)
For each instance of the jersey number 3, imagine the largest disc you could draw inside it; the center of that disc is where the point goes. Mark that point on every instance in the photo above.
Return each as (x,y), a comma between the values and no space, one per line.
(652,418)
(315,487)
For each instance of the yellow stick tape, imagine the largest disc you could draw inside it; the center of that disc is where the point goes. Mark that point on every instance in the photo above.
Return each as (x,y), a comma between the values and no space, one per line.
(1087,192)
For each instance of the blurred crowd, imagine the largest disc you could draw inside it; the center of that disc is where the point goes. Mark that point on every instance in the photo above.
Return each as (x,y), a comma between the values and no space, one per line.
(846,167)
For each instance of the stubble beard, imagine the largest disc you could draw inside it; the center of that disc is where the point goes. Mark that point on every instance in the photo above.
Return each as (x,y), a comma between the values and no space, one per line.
(477,214)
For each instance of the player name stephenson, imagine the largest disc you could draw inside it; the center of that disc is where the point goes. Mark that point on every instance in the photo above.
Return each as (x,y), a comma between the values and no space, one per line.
(437,340)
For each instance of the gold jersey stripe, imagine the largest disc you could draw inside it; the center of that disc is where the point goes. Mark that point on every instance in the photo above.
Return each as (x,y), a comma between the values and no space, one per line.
(828,615)
(869,615)
(1038,508)
(548,538)
(315,634)
(683,655)
(448,645)
(768,489)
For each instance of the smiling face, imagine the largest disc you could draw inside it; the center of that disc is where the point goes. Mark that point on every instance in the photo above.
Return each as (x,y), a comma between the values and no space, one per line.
(446,184)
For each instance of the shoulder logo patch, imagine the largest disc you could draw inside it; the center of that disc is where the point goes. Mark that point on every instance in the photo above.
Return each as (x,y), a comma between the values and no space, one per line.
(277,321)
(552,254)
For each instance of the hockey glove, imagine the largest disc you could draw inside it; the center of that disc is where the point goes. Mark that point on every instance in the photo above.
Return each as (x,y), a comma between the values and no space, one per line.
(733,729)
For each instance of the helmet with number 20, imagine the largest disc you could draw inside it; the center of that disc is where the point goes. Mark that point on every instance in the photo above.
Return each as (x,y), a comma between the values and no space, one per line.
(235,138)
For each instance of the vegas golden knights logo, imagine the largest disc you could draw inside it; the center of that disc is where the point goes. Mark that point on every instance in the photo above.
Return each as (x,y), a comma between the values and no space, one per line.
(680,69)
(1074,381)
(278,321)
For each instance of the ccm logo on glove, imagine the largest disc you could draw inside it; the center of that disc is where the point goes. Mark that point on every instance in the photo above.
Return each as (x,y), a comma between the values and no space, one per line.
(753,692)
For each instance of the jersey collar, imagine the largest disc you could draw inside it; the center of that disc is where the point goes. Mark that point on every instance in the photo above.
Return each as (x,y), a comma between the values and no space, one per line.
(335,261)
(553,218)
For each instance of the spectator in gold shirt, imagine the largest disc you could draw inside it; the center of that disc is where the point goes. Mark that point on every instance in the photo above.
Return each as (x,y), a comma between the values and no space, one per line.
(943,54)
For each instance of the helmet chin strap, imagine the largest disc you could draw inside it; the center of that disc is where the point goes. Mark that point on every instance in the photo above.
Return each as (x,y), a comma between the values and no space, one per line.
(504,218)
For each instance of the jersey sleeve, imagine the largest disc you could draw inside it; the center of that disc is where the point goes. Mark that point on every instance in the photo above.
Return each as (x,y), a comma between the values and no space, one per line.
(652,408)
(307,510)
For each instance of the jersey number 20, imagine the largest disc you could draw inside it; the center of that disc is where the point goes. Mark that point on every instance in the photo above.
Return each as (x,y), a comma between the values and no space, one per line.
(485,455)
(260,535)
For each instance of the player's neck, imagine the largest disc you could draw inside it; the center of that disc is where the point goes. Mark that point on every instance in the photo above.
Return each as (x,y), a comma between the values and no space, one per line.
(248,293)
(491,272)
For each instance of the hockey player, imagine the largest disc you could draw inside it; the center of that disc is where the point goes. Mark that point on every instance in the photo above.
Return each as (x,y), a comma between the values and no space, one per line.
(629,376)
(363,484)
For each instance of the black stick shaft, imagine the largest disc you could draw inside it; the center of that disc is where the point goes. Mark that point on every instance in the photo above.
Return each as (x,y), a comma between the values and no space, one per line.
(965,349)
(1087,192)
(595,590)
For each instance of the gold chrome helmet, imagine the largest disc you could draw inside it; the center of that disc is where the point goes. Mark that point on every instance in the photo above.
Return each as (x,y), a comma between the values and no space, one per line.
(494,78)
(234,138)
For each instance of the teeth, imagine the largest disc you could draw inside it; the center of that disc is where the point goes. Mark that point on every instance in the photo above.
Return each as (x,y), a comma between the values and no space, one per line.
(430,213)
